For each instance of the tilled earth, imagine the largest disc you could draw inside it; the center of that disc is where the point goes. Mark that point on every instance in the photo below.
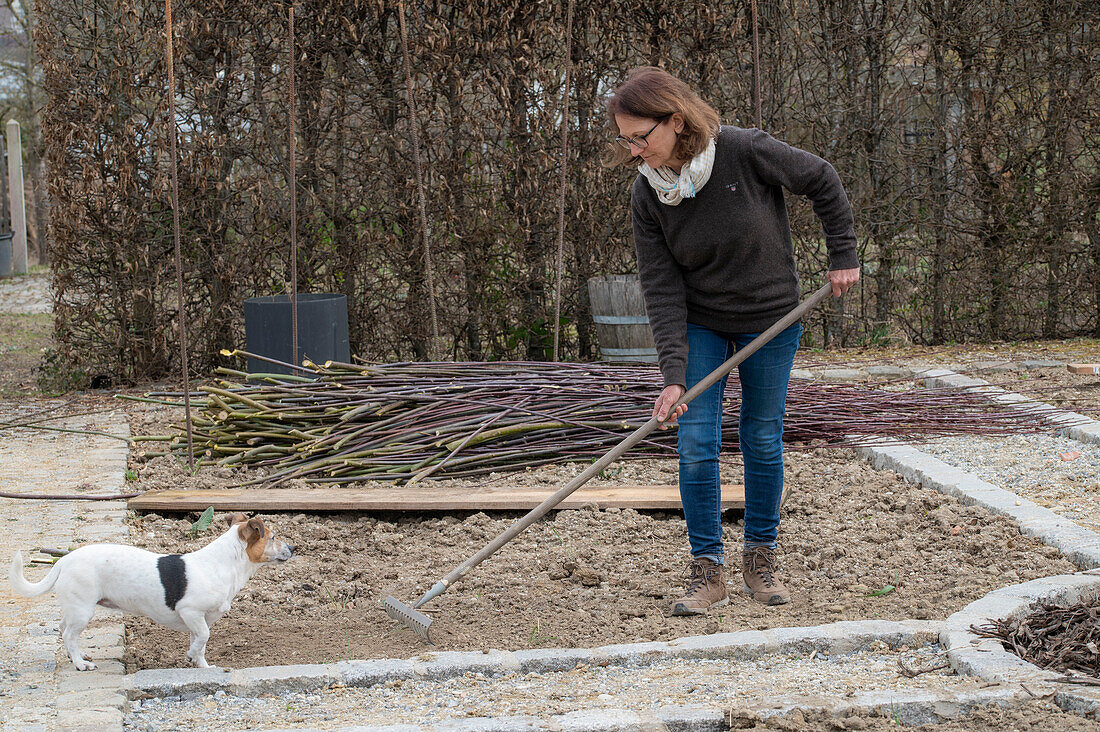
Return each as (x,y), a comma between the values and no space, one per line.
(590,577)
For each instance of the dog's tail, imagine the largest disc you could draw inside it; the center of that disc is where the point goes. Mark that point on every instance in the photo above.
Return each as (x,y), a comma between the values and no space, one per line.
(20,584)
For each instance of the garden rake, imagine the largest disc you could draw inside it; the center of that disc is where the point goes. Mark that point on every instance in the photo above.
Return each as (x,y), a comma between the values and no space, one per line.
(420,623)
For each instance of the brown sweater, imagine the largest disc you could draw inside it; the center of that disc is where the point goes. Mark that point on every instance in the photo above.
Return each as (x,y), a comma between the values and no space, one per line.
(724,259)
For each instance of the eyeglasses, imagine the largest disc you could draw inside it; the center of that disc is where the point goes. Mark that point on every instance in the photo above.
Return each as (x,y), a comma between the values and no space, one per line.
(640,141)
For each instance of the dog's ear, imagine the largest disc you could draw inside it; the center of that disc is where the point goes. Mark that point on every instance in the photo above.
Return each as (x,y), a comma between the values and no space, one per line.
(235,518)
(252,533)
(257,525)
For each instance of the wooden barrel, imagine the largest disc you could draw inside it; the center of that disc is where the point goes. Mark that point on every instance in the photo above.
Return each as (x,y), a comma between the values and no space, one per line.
(621,323)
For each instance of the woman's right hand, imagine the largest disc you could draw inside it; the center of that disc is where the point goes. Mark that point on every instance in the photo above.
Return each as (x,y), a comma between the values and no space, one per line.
(669,396)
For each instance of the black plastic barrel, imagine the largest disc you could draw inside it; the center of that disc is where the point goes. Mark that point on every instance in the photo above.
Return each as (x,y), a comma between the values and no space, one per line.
(322,330)
(5,254)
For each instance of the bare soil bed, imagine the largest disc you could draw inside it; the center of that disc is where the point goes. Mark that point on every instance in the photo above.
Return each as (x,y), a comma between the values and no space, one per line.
(589,577)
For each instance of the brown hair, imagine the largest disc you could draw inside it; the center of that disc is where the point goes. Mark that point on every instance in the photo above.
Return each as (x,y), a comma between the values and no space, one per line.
(654,93)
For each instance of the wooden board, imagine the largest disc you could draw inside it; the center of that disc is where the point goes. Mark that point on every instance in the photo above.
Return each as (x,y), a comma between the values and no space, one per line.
(419,498)
(1083,368)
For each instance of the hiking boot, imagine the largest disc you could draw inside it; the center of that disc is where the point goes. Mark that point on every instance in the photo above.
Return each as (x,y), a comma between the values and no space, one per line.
(759,573)
(706,588)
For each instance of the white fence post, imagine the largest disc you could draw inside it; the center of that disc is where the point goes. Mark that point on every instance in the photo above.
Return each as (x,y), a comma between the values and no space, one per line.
(15,191)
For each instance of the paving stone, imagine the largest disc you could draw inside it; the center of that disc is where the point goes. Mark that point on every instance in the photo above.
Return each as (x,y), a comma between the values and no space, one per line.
(370,673)
(994,367)
(889,372)
(451,663)
(798,640)
(501,724)
(543,660)
(1089,433)
(599,720)
(106,676)
(1083,701)
(841,374)
(176,681)
(1042,364)
(998,607)
(994,666)
(267,679)
(90,720)
(625,654)
(683,719)
(94,698)
(743,644)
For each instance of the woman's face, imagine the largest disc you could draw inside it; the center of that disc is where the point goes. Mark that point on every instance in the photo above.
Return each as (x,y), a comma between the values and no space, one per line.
(662,140)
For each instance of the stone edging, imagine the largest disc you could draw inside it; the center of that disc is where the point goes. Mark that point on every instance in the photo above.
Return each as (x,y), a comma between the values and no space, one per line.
(835,638)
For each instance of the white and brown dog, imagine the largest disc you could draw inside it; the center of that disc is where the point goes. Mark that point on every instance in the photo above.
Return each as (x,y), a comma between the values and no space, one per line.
(185,592)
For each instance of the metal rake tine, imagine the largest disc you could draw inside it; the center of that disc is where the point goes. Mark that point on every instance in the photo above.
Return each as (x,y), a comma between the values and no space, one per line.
(414,619)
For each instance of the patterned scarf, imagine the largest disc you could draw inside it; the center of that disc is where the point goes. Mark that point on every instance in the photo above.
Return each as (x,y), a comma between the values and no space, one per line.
(672,188)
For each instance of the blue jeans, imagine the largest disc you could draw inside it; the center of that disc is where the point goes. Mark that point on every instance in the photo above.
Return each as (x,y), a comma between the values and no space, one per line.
(764,376)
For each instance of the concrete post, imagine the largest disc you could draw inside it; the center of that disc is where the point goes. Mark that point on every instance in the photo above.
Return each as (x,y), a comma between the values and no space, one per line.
(15,191)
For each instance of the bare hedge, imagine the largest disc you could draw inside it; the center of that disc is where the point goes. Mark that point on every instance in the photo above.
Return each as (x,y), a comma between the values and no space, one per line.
(966,134)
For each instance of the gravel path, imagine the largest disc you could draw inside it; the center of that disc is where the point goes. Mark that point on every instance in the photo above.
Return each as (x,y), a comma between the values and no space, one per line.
(1058,473)
(704,683)
(26,294)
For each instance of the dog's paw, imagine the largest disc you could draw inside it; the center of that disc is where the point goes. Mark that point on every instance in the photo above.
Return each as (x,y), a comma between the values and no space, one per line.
(83,665)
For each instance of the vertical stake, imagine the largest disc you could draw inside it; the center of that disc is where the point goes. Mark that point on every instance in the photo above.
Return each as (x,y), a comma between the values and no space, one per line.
(756,65)
(176,236)
(293,206)
(564,166)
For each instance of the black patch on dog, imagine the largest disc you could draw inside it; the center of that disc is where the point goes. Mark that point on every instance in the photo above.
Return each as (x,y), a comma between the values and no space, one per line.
(173,575)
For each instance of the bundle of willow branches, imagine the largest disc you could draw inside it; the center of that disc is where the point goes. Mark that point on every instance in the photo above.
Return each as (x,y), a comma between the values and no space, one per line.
(408,421)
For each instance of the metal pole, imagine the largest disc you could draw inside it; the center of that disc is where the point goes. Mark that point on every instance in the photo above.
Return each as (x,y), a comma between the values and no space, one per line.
(18,206)
(296,359)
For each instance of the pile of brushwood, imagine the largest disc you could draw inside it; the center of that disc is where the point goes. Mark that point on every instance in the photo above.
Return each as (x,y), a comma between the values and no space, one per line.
(341,423)
(1056,638)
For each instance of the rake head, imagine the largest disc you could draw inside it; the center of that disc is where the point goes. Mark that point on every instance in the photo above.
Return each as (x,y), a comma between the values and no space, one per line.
(399,611)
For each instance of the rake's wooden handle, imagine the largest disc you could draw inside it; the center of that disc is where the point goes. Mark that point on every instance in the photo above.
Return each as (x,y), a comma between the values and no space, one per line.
(631,440)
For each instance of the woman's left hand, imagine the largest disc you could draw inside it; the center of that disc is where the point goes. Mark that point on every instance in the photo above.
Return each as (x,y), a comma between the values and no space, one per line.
(842,279)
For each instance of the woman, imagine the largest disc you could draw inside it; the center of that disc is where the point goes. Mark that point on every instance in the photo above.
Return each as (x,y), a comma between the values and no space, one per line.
(717,269)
